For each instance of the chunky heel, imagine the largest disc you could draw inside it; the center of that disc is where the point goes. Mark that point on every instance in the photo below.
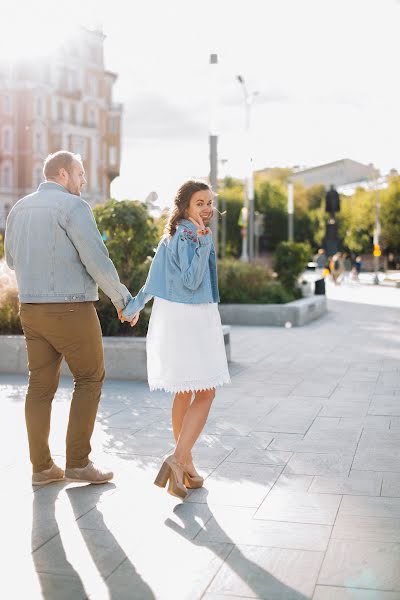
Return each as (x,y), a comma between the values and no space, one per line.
(163,475)
(172,473)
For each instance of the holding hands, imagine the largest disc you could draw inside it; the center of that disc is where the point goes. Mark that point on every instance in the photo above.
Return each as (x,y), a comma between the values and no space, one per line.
(132,321)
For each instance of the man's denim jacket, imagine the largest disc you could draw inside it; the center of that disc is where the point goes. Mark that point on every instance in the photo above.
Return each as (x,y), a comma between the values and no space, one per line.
(53,244)
(183,270)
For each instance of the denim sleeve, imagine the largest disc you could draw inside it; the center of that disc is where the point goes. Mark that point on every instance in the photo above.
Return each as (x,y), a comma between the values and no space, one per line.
(193,269)
(82,230)
(136,304)
(7,250)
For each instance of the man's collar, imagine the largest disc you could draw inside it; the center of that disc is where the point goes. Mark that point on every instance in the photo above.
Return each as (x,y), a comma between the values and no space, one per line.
(52,185)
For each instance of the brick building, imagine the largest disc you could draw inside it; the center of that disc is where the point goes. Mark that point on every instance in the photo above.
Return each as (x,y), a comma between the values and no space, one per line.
(61,102)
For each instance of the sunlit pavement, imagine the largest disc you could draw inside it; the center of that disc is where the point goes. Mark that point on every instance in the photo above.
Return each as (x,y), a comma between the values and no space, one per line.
(302,496)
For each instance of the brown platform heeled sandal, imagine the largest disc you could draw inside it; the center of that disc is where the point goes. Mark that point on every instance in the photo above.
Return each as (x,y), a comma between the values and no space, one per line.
(168,474)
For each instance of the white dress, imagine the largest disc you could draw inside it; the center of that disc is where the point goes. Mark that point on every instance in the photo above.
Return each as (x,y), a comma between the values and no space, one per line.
(185,347)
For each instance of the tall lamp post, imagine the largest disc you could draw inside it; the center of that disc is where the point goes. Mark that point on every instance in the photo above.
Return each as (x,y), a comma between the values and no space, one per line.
(249,188)
(213,144)
(290,210)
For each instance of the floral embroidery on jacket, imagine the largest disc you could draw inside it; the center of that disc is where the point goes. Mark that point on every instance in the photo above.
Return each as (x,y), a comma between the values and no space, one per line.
(188,234)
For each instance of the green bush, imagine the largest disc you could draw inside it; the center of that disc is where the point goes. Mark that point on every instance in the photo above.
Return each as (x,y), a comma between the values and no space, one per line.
(9,306)
(290,261)
(241,283)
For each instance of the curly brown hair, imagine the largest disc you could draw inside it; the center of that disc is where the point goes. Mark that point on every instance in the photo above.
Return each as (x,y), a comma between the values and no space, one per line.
(182,201)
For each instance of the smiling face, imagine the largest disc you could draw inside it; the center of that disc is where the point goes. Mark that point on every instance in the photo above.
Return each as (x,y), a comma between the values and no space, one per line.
(201,205)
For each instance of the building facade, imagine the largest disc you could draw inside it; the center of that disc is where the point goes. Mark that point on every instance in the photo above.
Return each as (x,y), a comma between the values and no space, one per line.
(59,103)
(339,173)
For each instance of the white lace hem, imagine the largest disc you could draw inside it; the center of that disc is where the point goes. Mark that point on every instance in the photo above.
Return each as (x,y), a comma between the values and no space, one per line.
(189,386)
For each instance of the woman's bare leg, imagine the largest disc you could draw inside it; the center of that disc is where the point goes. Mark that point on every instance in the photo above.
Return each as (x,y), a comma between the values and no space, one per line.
(180,406)
(193,424)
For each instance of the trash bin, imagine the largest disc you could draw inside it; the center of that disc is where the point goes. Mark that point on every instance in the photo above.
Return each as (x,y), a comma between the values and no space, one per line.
(320,287)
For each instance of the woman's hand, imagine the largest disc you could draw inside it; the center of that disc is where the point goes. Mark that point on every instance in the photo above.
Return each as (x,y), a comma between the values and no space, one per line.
(132,321)
(201,228)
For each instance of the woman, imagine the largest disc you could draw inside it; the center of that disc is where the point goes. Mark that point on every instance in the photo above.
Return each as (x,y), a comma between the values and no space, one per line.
(185,343)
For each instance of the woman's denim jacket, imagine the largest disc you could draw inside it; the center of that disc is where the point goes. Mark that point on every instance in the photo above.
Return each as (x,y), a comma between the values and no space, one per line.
(183,270)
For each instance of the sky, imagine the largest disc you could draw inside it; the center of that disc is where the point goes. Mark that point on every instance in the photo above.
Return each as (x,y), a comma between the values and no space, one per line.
(325,73)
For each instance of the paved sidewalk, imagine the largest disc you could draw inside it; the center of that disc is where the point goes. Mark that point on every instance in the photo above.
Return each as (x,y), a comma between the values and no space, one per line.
(302,498)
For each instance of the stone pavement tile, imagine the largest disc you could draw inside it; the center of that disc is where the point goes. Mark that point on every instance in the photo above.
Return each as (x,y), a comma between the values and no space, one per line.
(359,375)
(270,390)
(321,389)
(234,484)
(370,506)
(257,441)
(284,441)
(391,485)
(385,405)
(367,422)
(20,580)
(226,424)
(394,422)
(343,395)
(79,550)
(300,507)
(357,388)
(391,379)
(343,408)
(358,564)
(292,483)
(356,527)
(262,457)
(289,417)
(225,597)
(366,483)
(135,418)
(124,441)
(236,525)
(268,573)
(328,592)
(309,463)
(329,441)
(378,451)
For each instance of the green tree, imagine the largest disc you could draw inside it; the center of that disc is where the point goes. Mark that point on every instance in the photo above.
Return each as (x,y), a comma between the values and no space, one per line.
(390,215)
(130,236)
(356,221)
(231,194)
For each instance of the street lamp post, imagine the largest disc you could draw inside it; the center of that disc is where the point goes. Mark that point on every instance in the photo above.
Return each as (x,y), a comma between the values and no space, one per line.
(290,210)
(213,144)
(249,188)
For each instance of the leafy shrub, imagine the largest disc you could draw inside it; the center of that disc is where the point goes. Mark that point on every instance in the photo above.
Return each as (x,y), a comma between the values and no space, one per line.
(290,261)
(9,304)
(242,283)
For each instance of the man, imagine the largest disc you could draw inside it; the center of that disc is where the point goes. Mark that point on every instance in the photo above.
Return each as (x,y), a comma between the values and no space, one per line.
(59,258)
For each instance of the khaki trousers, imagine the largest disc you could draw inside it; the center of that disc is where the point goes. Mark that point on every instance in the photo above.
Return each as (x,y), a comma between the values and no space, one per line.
(53,332)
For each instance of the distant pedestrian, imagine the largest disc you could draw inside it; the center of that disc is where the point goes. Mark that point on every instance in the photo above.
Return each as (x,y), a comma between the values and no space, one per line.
(358,263)
(347,265)
(321,259)
(338,268)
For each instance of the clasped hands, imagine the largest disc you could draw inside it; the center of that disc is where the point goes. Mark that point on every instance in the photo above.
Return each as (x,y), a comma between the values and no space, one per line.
(132,321)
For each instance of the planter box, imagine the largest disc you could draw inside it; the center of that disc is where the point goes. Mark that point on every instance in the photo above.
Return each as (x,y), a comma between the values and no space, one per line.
(125,357)
(298,313)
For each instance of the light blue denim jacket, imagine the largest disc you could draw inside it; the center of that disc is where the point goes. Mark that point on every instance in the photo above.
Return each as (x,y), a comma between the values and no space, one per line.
(53,244)
(183,270)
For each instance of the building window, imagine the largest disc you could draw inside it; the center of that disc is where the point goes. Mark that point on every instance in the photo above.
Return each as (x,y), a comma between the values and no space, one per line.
(113,124)
(39,107)
(72,81)
(37,176)
(38,143)
(73,114)
(60,111)
(7,142)
(7,104)
(112,155)
(6,176)
(92,85)
(92,118)
(80,146)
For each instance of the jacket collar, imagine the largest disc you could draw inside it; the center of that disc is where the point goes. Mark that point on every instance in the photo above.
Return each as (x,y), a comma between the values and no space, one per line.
(52,185)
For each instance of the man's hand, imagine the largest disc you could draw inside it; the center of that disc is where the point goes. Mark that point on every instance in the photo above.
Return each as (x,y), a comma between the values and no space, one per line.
(132,321)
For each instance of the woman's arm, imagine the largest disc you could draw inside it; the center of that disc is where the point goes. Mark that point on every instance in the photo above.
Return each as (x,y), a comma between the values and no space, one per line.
(193,269)
(136,304)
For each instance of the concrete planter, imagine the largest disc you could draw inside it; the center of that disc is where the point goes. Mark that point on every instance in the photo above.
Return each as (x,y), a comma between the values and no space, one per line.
(125,358)
(298,313)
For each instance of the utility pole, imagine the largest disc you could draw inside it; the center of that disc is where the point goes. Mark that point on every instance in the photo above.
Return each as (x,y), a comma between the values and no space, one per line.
(290,210)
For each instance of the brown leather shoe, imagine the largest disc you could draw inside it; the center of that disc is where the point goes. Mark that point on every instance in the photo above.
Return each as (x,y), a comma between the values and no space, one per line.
(88,474)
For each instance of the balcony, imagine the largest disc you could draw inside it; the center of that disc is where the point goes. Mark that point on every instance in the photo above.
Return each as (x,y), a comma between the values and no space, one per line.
(72,94)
